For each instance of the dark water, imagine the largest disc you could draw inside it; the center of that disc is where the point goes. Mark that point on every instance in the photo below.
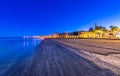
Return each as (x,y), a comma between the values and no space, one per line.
(13,50)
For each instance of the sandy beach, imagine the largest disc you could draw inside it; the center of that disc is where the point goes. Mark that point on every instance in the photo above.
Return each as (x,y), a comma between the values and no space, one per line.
(72,57)
(103,52)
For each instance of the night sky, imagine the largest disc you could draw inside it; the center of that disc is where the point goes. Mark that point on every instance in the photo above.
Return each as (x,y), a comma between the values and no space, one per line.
(43,17)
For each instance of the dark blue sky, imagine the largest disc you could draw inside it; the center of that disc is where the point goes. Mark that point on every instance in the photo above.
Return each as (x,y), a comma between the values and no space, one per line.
(42,17)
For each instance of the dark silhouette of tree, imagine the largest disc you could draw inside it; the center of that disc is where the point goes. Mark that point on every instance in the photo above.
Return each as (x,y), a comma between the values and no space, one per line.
(111,26)
(96,27)
(114,28)
(103,28)
(75,33)
(91,29)
(100,28)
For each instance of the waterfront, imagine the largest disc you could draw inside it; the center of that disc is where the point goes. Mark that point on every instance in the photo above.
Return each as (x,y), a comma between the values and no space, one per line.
(67,57)
(14,50)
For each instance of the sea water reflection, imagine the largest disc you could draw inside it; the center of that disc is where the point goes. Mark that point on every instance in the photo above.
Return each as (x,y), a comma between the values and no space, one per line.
(13,50)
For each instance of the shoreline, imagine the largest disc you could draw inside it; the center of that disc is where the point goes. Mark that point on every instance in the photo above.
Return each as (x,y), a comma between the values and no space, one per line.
(53,58)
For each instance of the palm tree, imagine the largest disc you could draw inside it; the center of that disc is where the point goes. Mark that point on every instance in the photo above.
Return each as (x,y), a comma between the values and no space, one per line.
(101,28)
(114,28)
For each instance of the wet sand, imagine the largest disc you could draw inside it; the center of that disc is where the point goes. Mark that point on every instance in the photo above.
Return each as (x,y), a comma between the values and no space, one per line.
(56,57)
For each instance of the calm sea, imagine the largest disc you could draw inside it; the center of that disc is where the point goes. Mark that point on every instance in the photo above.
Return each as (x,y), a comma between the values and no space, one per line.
(13,50)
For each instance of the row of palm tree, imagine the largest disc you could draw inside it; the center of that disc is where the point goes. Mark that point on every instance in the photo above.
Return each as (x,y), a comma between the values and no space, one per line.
(101,28)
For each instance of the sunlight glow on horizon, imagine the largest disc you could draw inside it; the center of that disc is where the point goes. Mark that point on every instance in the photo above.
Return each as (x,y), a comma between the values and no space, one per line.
(105,22)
